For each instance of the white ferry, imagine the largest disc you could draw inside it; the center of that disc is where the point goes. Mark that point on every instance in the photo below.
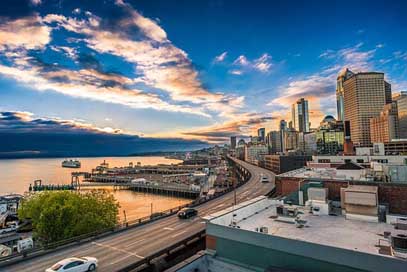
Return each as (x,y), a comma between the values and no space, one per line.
(71,164)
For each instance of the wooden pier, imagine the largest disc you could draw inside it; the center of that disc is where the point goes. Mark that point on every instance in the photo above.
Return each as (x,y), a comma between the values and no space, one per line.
(169,189)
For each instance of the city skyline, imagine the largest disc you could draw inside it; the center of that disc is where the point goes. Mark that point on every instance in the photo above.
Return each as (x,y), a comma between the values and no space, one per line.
(137,71)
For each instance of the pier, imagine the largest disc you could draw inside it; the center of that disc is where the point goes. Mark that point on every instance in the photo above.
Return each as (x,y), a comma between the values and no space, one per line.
(169,189)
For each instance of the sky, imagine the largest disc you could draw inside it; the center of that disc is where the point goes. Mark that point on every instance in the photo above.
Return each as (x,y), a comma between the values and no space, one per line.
(135,76)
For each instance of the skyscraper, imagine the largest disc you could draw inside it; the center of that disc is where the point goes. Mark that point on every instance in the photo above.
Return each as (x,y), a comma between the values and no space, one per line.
(365,95)
(343,75)
(261,133)
(233,142)
(283,129)
(300,115)
(401,100)
(385,127)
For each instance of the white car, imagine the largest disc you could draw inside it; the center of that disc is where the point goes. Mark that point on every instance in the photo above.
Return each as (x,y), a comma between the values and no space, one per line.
(75,265)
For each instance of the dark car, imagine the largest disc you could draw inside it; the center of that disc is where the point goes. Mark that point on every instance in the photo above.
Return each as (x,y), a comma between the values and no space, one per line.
(187,213)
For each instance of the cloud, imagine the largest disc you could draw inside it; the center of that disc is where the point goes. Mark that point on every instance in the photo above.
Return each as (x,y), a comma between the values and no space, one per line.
(221,57)
(24,33)
(36,2)
(157,61)
(352,57)
(261,64)
(243,125)
(236,72)
(23,135)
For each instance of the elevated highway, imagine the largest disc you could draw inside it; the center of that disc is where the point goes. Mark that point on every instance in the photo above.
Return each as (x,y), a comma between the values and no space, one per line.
(119,250)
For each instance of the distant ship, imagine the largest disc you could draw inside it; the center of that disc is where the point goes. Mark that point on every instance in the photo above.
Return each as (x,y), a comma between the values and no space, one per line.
(71,164)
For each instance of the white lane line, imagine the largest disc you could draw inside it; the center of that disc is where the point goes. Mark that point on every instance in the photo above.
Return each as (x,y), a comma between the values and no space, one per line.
(179,233)
(136,242)
(167,228)
(121,259)
(118,249)
(220,205)
(202,222)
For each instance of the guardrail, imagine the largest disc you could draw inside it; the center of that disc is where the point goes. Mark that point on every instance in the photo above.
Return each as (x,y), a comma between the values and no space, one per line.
(146,261)
(77,240)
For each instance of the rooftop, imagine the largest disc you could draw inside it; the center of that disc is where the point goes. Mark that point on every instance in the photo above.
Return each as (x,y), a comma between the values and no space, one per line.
(334,231)
(326,173)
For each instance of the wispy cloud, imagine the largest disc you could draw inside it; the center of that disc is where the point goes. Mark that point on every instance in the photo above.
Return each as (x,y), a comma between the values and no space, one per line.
(24,33)
(221,57)
(261,64)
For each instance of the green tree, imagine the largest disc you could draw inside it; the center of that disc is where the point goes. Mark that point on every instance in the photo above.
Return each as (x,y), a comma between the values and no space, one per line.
(59,215)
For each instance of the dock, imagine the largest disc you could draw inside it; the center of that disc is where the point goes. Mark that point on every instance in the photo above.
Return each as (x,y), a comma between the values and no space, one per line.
(161,188)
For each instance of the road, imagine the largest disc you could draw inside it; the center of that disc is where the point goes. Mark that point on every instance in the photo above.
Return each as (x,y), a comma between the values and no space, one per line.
(121,249)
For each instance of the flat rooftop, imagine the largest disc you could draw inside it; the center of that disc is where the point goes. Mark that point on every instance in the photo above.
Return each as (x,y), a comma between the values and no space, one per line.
(325,173)
(334,231)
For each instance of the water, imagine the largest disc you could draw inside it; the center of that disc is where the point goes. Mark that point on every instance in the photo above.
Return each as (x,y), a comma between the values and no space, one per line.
(16,175)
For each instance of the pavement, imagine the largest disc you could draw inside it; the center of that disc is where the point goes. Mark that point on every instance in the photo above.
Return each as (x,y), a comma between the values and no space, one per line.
(119,250)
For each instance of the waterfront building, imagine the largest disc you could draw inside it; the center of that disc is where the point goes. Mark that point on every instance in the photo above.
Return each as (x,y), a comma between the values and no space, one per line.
(261,134)
(300,115)
(385,127)
(233,142)
(401,100)
(365,95)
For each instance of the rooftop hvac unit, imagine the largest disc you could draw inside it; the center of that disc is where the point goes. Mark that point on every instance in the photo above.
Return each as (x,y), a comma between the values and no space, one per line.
(399,242)
(401,223)
(264,230)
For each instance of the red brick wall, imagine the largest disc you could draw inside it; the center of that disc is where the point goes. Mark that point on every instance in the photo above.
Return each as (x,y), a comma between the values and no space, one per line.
(393,194)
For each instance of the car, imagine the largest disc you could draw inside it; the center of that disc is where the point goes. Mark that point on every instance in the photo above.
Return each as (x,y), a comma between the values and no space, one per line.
(264,179)
(74,264)
(187,213)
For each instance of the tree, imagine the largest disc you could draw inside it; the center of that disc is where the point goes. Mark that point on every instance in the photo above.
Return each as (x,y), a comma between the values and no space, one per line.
(59,215)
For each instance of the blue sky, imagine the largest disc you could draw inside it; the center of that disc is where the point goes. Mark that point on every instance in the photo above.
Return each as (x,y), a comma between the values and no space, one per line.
(201,70)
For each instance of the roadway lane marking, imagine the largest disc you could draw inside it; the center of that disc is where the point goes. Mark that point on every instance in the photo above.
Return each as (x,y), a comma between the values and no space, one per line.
(167,228)
(178,234)
(118,249)
(220,205)
(136,242)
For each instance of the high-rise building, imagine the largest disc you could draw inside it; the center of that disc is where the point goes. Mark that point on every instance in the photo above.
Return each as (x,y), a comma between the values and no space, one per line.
(274,142)
(283,129)
(233,142)
(300,115)
(364,98)
(343,75)
(329,136)
(385,127)
(261,134)
(401,100)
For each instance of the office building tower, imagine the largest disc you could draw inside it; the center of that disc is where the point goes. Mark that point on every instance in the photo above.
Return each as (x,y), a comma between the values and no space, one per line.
(283,129)
(343,75)
(261,134)
(233,142)
(401,100)
(274,142)
(385,127)
(364,98)
(300,115)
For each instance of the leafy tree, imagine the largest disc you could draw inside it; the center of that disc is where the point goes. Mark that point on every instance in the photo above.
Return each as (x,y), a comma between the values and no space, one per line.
(59,215)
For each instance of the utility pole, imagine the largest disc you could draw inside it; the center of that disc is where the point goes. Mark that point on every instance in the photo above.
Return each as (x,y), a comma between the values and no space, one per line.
(151,208)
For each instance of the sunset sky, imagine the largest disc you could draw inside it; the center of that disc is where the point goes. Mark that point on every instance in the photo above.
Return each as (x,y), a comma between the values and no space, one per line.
(196,71)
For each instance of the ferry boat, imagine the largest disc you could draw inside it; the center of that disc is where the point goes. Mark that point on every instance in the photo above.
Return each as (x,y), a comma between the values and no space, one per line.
(71,164)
